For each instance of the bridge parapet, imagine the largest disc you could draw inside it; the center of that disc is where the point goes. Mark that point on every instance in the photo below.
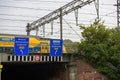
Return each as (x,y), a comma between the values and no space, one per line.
(4,57)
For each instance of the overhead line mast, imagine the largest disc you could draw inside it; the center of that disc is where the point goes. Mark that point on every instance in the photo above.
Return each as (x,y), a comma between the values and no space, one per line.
(118,13)
(58,13)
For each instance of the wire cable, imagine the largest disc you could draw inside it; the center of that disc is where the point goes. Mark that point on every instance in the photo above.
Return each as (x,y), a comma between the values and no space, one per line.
(25,8)
(33,1)
(18,15)
(71,27)
(107,15)
(16,20)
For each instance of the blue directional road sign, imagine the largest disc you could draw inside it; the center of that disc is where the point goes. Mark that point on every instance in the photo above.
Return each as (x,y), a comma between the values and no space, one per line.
(21,46)
(56,47)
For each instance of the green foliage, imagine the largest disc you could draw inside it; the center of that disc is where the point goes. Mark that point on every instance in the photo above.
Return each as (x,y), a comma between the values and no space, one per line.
(71,47)
(101,48)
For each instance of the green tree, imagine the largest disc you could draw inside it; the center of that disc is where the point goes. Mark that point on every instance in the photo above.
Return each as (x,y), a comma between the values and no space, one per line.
(101,48)
(71,47)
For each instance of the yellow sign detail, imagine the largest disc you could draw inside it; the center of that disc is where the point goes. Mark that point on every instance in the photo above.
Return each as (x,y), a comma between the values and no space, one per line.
(6,44)
(1,66)
(33,42)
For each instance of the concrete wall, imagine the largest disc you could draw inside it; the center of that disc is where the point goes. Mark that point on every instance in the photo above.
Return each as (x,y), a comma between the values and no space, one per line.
(4,57)
(72,71)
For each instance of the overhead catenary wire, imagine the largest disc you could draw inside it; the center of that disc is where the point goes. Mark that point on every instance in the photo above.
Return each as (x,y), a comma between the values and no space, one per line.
(105,15)
(30,8)
(15,20)
(46,1)
(34,1)
(71,27)
(16,30)
(25,21)
(16,15)
(35,16)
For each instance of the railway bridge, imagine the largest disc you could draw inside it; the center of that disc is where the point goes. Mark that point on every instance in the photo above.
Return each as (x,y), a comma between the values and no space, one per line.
(38,67)
(34,58)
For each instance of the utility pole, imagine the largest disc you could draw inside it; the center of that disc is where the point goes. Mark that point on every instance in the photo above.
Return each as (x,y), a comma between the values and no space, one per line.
(61,23)
(44,31)
(28,29)
(37,29)
(118,13)
(51,27)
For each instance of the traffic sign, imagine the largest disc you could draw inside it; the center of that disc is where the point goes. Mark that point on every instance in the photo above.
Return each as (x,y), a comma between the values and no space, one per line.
(56,47)
(21,46)
(37,58)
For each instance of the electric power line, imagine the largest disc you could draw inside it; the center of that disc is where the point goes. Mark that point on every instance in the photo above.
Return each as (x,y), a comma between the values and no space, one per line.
(19,15)
(24,8)
(45,1)
(33,1)
(16,20)
(107,14)
(107,4)
(25,21)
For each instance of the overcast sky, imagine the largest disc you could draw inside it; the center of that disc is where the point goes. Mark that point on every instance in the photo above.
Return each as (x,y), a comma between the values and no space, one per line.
(15,14)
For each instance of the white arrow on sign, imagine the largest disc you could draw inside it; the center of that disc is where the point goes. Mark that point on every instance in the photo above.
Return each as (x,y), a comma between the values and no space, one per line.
(56,52)
(21,51)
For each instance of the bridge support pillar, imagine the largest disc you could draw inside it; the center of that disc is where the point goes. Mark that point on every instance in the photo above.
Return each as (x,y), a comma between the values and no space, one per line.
(72,70)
